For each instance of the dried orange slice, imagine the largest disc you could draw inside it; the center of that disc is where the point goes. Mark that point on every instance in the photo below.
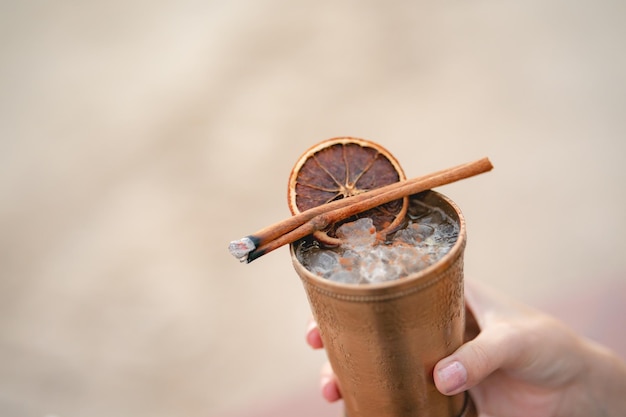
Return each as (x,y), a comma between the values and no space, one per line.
(340,168)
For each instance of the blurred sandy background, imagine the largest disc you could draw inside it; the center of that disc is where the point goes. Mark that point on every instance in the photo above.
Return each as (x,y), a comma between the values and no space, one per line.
(137,138)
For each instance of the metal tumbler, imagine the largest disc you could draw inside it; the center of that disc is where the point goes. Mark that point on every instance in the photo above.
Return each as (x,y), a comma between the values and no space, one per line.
(383,340)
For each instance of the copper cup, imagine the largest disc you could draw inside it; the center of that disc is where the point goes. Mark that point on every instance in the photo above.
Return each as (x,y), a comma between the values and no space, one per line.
(383,340)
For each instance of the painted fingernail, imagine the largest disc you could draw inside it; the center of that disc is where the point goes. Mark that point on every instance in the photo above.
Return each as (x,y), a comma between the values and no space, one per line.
(453,376)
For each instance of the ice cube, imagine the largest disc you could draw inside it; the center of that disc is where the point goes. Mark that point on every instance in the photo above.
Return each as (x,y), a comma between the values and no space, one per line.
(414,233)
(345,277)
(373,268)
(435,217)
(357,234)
(323,262)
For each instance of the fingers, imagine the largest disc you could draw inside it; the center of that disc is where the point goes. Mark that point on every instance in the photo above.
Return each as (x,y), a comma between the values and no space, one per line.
(328,381)
(329,385)
(498,345)
(492,349)
(313,337)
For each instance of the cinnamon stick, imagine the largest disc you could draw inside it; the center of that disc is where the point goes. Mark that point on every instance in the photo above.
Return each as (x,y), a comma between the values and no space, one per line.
(300,225)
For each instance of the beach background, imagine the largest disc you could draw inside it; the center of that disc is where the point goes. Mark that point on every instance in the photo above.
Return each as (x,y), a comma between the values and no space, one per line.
(138,138)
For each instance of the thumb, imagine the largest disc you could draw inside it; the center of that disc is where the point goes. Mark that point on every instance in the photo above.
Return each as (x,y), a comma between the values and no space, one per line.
(495,347)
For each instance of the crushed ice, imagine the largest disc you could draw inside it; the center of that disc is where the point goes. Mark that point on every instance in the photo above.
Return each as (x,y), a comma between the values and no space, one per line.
(363,259)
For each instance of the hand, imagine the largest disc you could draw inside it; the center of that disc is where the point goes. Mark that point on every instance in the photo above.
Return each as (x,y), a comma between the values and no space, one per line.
(520,362)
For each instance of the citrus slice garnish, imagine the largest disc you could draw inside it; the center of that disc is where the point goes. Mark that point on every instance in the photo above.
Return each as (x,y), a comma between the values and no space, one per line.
(341,168)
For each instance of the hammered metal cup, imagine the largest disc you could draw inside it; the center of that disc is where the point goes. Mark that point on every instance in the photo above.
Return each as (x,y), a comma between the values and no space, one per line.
(383,340)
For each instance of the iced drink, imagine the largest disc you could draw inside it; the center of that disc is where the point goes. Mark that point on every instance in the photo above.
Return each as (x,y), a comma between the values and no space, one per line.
(363,258)
(389,311)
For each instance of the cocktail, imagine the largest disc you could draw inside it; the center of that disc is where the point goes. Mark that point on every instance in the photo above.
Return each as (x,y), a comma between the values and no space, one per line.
(381,261)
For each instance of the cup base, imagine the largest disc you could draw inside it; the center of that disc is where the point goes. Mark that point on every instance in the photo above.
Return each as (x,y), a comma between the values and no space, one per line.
(469,409)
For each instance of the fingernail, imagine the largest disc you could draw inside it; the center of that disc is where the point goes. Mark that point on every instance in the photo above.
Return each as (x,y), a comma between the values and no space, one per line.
(453,376)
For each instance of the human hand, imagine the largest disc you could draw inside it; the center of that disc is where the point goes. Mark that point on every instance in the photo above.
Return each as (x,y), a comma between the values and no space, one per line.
(520,362)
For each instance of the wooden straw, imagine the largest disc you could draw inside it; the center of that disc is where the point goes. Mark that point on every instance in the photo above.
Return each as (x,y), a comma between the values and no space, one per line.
(296,227)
